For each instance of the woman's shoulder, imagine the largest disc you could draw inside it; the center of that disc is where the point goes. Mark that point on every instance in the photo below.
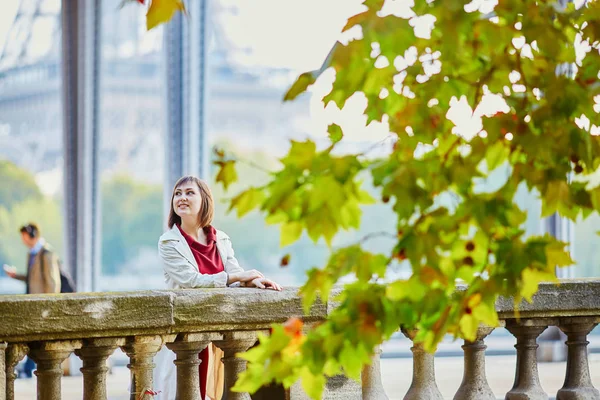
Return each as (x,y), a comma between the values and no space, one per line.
(222,235)
(171,234)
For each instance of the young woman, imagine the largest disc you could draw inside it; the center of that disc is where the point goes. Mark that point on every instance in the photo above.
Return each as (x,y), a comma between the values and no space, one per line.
(196,255)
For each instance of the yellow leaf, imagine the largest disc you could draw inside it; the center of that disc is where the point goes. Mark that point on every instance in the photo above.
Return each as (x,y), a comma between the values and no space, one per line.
(161,11)
(227,174)
(468,327)
(486,313)
(312,384)
(557,194)
(531,279)
(557,256)
(247,201)
(290,232)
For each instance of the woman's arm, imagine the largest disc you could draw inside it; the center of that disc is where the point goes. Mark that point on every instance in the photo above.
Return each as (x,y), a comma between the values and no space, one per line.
(185,274)
(252,278)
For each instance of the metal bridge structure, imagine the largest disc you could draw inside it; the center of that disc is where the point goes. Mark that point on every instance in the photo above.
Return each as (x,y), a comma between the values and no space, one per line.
(86,91)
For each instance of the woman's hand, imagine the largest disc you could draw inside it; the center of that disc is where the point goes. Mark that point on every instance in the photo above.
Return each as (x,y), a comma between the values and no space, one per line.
(264,283)
(245,276)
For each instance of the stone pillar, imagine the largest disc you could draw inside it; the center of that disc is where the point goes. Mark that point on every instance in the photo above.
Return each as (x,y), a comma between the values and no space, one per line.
(49,357)
(527,383)
(474,385)
(3,347)
(232,343)
(141,351)
(423,384)
(187,347)
(578,385)
(80,62)
(14,353)
(94,354)
(372,388)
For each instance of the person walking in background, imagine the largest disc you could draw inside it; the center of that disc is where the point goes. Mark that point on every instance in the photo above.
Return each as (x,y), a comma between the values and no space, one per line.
(43,272)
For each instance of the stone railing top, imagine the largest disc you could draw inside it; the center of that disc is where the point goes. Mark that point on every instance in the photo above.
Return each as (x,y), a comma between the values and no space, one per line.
(86,315)
(89,315)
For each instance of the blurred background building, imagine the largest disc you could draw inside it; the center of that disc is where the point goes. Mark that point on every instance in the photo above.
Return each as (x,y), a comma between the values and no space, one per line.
(160,101)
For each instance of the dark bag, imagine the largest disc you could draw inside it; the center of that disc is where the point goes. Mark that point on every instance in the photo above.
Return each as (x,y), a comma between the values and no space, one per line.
(67,285)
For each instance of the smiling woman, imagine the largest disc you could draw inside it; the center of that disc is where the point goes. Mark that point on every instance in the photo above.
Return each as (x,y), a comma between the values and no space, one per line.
(195,255)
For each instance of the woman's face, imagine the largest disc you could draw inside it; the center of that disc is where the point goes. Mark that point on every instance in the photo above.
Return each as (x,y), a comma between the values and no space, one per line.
(187,200)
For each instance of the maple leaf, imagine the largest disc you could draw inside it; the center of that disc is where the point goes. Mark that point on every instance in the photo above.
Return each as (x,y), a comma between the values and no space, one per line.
(161,11)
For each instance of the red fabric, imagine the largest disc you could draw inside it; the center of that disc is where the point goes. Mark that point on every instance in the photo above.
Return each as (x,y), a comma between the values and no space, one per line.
(209,262)
(207,256)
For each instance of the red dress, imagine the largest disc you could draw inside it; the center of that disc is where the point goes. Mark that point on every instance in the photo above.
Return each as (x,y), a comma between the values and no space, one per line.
(209,262)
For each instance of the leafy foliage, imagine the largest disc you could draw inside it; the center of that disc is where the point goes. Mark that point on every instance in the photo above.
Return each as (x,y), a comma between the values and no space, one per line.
(131,220)
(542,62)
(17,185)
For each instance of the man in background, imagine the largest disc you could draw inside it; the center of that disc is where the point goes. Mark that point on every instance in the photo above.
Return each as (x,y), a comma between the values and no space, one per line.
(43,271)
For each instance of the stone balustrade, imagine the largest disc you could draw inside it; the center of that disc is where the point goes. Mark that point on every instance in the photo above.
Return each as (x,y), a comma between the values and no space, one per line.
(93,325)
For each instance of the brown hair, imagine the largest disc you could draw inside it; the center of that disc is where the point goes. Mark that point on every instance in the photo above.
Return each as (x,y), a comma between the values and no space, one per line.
(207,207)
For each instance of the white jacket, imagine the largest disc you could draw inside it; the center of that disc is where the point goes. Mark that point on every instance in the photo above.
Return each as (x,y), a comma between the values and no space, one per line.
(180,267)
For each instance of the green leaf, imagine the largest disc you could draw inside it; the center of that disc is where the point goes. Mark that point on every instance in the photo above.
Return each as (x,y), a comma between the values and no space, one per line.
(557,194)
(365,198)
(247,201)
(312,384)
(300,86)
(496,155)
(290,232)
(335,133)
(301,154)
(531,279)
(557,256)
(227,174)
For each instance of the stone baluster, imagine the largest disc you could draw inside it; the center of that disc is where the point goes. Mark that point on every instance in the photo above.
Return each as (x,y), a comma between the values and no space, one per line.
(94,354)
(141,351)
(423,384)
(49,357)
(372,388)
(186,347)
(3,347)
(578,385)
(232,343)
(527,383)
(14,353)
(474,385)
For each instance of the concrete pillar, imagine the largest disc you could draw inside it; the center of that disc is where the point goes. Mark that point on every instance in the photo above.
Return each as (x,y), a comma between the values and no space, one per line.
(372,388)
(232,343)
(3,347)
(186,348)
(423,384)
(527,382)
(474,385)
(80,22)
(49,357)
(186,54)
(15,352)
(578,385)
(94,354)
(141,351)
